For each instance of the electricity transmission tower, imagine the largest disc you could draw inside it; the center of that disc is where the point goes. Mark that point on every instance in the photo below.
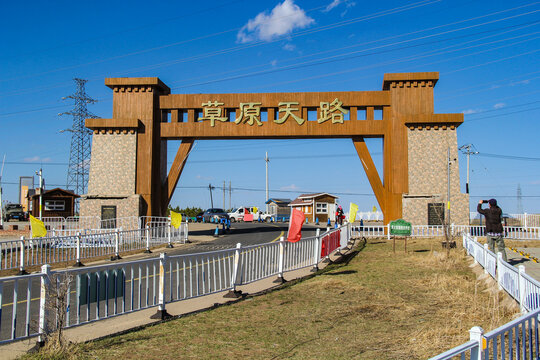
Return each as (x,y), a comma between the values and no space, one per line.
(81,140)
(519,200)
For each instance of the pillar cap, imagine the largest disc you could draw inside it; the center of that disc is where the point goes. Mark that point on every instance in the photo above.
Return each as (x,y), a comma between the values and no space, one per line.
(137,81)
(410,77)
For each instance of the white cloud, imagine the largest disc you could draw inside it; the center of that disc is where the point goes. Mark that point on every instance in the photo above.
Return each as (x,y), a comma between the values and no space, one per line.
(37,159)
(499,105)
(470,111)
(335,3)
(522,82)
(273,62)
(283,19)
(291,187)
(289,47)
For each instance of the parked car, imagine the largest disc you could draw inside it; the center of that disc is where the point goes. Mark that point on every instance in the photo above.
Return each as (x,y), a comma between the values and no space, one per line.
(238,214)
(215,214)
(14,211)
(199,217)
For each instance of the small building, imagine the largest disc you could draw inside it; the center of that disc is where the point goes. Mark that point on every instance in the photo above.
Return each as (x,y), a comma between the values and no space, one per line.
(56,202)
(279,207)
(319,206)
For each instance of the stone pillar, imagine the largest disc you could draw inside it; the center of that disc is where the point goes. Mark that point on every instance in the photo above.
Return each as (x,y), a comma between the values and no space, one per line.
(425,138)
(129,159)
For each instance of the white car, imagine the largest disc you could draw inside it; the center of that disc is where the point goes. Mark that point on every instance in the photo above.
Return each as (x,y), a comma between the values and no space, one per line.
(238,214)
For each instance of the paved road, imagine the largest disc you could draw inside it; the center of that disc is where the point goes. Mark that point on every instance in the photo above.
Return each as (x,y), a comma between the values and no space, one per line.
(135,288)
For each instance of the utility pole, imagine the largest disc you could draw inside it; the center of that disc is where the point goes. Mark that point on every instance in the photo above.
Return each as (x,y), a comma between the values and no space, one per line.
(230,194)
(224,195)
(466,149)
(210,187)
(1,204)
(267,160)
(448,187)
(40,175)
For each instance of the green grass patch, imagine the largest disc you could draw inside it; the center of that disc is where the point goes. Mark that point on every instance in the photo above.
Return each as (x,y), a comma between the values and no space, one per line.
(377,305)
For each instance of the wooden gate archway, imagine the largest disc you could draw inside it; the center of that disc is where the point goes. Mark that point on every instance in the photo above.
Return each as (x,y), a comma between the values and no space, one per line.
(145,108)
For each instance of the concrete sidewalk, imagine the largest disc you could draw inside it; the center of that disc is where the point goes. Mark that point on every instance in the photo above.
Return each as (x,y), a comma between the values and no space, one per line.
(123,323)
(531,268)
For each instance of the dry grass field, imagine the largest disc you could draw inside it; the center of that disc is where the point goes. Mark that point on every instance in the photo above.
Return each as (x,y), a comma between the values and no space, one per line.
(374,305)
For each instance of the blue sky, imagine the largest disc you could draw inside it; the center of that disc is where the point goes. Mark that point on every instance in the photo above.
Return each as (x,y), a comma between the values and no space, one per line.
(487,54)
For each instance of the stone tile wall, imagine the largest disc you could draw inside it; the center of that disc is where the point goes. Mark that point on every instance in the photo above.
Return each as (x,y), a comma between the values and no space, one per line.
(112,175)
(428,175)
(113,164)
(125,207)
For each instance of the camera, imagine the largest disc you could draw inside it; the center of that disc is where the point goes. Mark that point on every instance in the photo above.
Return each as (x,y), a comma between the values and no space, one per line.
(485,201)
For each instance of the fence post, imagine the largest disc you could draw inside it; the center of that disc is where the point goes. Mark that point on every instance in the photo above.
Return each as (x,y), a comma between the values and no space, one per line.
(21,267)
(169,233)
(147,251)
(161,312)
(477,334)
(525,218)
(281,263)
(78,254)
(116,245)
(388,231)
(316,250)
(485,258)
(234,293)
(499,273)
(43,311)
(521,282)
(185,233)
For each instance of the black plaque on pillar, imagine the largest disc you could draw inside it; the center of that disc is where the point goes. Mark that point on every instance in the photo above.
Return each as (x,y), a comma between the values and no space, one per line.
(435,213)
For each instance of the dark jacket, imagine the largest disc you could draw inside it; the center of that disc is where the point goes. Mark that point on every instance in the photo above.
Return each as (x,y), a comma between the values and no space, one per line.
(493,218)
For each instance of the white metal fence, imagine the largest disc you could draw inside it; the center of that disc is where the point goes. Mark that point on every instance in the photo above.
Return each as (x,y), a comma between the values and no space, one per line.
(100,292)
(75,248)
(510,232)
(518,339)
(524,220)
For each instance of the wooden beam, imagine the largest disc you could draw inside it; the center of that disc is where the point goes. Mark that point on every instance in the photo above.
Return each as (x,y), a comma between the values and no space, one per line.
(178,165)
(272,130)
(371,171)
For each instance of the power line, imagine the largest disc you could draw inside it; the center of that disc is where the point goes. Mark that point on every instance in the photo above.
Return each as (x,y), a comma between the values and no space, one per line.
(240,47)
(334,58)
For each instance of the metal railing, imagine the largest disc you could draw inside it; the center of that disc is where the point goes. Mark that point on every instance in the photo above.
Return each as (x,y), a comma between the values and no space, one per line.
(27,303)
(74,248)
(510,232)
(517,339)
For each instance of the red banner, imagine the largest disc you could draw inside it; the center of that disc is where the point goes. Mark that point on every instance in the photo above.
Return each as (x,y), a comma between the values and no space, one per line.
(330,242)
(295,225)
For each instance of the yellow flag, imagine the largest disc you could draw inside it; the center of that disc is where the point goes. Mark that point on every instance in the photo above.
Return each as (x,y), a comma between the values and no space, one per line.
(255,210)
(353,209)
(37,227)
(176,219)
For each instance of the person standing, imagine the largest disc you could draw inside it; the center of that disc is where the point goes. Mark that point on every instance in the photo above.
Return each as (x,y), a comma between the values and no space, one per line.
(339,215)
(494,228)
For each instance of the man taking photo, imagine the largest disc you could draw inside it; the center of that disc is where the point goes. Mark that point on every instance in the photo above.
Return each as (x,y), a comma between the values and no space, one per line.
(494,228)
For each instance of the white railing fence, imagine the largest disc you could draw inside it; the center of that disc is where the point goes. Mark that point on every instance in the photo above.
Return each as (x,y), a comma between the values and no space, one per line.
(76,247)
(510,232)
(523,220)
(517,339)
(99,292)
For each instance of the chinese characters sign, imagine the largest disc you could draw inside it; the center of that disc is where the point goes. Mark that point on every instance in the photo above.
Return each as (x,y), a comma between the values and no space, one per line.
(250,113)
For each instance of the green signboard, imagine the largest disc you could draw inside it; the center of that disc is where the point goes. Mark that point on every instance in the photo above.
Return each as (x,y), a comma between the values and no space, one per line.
(400,227)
